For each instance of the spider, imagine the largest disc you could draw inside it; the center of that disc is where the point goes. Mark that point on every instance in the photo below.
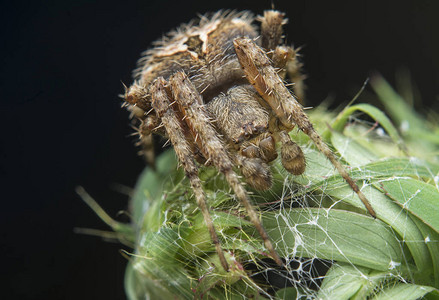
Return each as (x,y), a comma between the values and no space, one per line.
(217,92)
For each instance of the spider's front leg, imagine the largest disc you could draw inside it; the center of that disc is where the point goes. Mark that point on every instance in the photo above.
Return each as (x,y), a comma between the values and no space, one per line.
(197,118)
(285,58)
(161,103)
(271,28)
(261,74)
(137,98)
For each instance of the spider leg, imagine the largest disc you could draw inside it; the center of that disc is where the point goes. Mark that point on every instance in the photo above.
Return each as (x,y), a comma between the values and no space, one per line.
(271,38)
(196,116)
(267,146)
(149,124)
(162,105)
(261,74)
(294,73)
(271,29)
(292,156)
(284,58)
(280,57)
(256,172)
(138,99)
(146,144)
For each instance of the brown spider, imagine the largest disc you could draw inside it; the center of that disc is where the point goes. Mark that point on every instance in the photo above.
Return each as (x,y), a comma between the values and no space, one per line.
(217,92)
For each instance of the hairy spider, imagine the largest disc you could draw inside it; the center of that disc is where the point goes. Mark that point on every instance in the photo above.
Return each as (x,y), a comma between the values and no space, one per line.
(217,92)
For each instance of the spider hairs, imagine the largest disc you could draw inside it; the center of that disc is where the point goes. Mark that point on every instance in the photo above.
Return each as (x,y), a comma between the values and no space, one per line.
(215,87)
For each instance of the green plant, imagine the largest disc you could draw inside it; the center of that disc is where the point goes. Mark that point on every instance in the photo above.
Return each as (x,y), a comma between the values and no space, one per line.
(332,248)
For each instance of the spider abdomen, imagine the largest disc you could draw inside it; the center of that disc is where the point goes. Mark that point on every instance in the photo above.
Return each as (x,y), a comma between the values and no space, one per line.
(205,52)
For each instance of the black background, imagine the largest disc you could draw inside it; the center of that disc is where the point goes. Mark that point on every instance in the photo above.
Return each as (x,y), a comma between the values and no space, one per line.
(62,63)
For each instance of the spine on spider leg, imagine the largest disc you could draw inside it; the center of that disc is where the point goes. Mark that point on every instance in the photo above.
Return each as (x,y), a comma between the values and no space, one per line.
(164,109)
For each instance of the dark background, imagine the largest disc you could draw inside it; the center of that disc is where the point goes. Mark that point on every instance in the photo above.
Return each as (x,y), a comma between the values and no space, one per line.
(62,63)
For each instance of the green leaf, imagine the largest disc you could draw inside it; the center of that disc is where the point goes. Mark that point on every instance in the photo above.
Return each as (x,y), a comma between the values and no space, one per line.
(418,197)
(138,287)
(374,113)
(240,285)
(151,184)
(286,294)
(385,168)
(395,105)
(342,282)
(125,233)
(335,235)
(431,239)
(351,151)
(318,168)
(412,124)
(397,218)
(346,281)
(406,291)
(157,260)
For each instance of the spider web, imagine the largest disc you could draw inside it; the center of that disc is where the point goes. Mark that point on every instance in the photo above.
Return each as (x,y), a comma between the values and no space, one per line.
(332,249)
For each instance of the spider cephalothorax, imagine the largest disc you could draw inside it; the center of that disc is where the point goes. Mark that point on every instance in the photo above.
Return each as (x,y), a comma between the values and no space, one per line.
(217,92)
